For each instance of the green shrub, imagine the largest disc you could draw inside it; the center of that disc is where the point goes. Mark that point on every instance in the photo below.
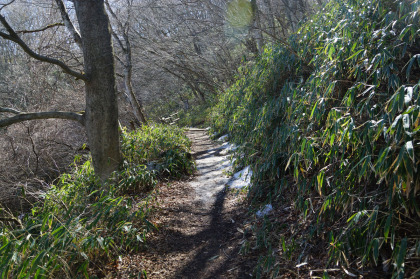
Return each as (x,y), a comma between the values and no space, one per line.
(337,110)
(161,149)
(197,116)
(83,222)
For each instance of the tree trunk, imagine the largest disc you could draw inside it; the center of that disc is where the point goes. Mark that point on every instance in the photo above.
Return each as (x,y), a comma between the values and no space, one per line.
(135,104)
(271,20)
(256,26)
(101,102)
(124,30)
(128,73)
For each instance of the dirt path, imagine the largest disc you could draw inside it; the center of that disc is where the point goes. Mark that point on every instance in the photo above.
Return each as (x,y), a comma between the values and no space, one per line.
(200,224)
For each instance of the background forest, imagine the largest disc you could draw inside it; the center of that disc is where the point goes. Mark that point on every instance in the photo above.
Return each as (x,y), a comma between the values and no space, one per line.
(322,98)
(181,54)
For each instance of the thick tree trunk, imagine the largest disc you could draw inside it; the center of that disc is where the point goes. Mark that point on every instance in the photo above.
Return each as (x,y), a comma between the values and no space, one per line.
(101,102)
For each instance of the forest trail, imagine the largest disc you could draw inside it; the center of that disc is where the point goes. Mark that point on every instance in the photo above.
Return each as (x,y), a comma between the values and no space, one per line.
(200,224)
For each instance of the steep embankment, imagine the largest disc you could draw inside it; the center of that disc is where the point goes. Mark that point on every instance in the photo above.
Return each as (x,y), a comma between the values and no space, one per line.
(329,122)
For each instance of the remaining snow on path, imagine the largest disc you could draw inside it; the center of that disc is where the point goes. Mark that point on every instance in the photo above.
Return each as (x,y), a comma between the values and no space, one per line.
(212,177)
(241,179)
(213,165)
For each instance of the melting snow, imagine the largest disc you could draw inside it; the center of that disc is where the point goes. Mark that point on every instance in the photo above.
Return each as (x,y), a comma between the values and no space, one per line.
(228,147)
(241,179)
(223,138)
(264,211)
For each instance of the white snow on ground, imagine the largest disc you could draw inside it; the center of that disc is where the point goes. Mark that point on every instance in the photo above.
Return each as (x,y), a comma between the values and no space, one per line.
(212,167)
(241,179)
(223,138)
(228,147)
(264,211)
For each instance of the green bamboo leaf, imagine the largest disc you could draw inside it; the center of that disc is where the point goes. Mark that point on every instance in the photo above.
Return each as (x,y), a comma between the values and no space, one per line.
(314,108)
(354,46)
(375,251)
(410,149)
(35,262)
(401,96)
(320,180)
(283,244)
(56,231)
(401,253)
(404,31)
(410,64)
(387,226)
(330,52)
(382,157)
(357,52)
(395,123)
(332,139)
(406,121)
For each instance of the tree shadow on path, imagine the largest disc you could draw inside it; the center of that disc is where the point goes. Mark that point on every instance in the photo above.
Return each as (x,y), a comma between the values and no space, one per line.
(202,222)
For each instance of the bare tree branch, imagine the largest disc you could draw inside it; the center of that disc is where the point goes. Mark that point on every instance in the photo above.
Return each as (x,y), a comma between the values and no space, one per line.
(12,36)
(41,29)
(67,22)
(114,34)
(7,4)
(9,110)
(25,116)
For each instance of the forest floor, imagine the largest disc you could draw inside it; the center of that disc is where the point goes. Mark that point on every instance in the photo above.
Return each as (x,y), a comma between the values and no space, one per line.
(200,224)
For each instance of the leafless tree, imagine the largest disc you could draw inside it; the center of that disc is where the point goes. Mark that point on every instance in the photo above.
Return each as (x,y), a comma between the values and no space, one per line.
(101,115)
(121,34)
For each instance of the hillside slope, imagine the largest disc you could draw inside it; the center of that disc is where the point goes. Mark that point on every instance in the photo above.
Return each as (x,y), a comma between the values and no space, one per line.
(329,122)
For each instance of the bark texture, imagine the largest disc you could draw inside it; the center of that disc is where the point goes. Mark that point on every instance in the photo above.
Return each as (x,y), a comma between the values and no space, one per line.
(101,103)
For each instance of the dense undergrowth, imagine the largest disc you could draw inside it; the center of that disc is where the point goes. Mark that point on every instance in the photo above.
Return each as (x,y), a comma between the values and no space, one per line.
(83,224)
(193,113)
(330,124)
(196,116)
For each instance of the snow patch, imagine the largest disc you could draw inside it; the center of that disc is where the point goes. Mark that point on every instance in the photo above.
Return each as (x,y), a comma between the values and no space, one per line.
(264,211)
(223,138)
(228,147)
(241,179)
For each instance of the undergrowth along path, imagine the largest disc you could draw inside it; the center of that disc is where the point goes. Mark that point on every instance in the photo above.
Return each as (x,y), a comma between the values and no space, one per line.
(200,224)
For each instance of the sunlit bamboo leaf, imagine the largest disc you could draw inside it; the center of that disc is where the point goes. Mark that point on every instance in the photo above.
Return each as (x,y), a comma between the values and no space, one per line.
(410,149)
